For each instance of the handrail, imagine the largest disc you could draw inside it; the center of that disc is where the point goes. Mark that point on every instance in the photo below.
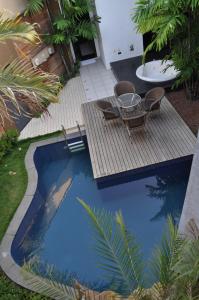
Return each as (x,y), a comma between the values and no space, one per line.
(64,134)
(79,129)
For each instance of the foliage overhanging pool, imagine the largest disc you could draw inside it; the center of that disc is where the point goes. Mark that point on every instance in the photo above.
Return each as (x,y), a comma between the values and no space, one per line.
(64,238)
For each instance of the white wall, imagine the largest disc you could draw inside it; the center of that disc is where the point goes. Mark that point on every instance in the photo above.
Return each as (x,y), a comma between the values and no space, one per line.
(14,6)
(117,30)
(10,8)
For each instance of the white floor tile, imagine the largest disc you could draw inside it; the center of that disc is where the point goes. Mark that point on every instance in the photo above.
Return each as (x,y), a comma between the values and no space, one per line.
(97,81)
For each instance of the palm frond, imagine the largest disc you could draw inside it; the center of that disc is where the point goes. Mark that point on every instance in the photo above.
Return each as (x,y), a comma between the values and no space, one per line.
(62,23)
(34,7)
(186,269)
(49,287)
(57,38)
(188,263)
(15,29)
(174,24)
(193,229)
(167,254)
(72,24)
(87,30)
(20,83)
(120,255)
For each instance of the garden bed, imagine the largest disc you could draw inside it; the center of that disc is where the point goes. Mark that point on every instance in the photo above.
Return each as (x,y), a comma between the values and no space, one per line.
(188,110)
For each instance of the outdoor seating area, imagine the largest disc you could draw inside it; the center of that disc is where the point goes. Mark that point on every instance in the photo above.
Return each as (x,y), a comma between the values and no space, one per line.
(166,137)
(129,107)
(99,150)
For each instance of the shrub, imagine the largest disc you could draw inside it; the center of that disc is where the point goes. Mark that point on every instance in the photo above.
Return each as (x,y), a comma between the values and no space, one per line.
(174,23)
(10,291)
(8,140)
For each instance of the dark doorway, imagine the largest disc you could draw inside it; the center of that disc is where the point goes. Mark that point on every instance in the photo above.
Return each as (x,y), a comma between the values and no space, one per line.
(153,54)
(85,49)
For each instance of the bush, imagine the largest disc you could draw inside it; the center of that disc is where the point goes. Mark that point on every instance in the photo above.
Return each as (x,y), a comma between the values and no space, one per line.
(8,141)
(10,291)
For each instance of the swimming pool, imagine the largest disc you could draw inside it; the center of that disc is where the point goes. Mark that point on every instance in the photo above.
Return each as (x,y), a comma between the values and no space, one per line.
(64,238)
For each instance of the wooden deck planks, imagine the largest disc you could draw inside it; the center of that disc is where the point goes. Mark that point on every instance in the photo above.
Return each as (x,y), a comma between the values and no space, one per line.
(112,151)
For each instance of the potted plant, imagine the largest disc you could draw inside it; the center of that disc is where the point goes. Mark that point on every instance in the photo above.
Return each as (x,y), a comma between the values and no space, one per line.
(174,23)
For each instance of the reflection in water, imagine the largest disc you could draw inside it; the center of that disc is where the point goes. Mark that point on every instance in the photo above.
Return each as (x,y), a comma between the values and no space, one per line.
(66,242)
(166,190)
(55,198)
(33,238)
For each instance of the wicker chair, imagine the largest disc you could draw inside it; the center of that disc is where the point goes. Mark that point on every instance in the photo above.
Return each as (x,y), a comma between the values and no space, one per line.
(135,121)
(152,99)
(123,87)
(109,111)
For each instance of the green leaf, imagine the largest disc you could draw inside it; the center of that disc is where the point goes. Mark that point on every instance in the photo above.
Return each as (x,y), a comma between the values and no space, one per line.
(167,254)
(50,288)
(19,83)
(17,30)
(34,7)
(120,255)
(62,24)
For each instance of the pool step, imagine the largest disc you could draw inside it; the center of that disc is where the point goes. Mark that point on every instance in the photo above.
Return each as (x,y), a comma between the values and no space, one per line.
(76,146)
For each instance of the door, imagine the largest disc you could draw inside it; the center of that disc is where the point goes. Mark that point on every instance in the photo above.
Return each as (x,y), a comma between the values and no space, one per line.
(84,49)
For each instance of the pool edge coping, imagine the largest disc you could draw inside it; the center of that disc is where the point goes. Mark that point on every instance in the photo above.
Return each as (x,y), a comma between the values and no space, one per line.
(7,263)
(191,202)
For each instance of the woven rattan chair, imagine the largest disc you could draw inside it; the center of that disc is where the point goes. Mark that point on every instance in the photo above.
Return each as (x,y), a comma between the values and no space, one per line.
(109,111)
(152,99)
(124,87)
(135,122)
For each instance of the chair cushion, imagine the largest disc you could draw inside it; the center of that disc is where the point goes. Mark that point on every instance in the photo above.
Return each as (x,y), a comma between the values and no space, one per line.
(113,110)
(111,113)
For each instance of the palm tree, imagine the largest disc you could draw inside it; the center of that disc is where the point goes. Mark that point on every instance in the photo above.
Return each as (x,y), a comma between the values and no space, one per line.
(19,82)
(70,23)
(174,23)
(34,6)
(73,23)
(174,266)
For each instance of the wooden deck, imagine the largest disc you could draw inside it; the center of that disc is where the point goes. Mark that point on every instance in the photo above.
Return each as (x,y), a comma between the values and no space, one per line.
(112,151)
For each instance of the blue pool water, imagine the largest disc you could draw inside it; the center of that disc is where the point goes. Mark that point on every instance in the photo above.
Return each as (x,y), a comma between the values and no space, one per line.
(65,239)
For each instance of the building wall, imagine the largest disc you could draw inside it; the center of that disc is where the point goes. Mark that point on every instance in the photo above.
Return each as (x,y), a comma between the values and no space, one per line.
(14,6)
(10,8)
(117,31)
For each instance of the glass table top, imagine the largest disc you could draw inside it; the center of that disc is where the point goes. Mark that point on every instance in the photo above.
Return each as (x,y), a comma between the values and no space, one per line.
(129,100)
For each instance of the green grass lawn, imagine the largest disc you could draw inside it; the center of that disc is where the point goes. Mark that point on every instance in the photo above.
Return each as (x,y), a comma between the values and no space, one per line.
(12,189)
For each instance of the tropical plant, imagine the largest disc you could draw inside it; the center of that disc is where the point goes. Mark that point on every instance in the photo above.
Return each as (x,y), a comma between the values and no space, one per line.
(174,23)
(174,266)
(17,30)
(7,141)
(72,22)
(21,86)
(34,6)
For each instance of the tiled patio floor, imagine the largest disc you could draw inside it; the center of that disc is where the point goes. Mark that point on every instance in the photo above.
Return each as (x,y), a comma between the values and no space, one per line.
(98,82)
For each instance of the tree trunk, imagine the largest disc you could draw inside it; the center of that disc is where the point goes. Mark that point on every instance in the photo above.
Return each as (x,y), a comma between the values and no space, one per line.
(192,88)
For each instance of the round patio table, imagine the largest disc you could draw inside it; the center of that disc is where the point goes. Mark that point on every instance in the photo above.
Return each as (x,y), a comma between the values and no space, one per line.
(130,100)
(129,104)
